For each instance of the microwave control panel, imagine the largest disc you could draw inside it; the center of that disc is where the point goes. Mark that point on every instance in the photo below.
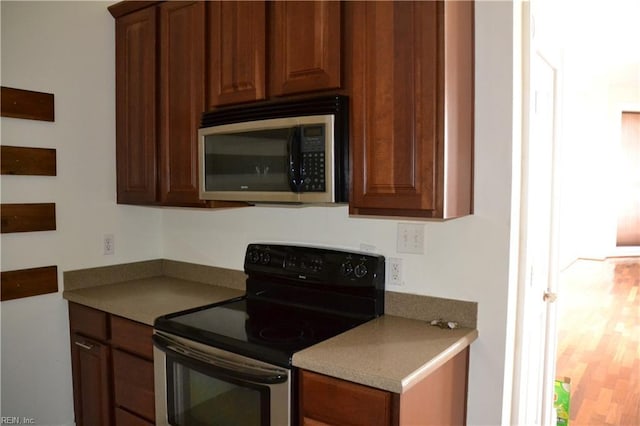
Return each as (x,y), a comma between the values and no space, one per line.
(313,158)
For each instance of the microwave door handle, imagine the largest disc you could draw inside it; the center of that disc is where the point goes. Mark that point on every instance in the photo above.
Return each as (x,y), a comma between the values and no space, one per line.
(295,160)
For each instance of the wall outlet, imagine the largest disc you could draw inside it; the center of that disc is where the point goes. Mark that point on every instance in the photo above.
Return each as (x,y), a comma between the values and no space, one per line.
(109,244)
(394,271)
(410,238)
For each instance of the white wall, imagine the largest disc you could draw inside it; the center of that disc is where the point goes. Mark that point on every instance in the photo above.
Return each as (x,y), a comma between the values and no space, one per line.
(67,48)
(601,71)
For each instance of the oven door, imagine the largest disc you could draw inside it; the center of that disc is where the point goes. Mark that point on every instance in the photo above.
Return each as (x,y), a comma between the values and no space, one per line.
(200,385)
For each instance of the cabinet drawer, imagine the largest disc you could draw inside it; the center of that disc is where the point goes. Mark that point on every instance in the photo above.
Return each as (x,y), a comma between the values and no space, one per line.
(133,384)
(88,321)
(325,400)
(132,336)
(125,418)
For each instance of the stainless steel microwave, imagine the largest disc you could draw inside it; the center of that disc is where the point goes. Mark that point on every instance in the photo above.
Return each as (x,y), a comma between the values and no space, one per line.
(276,152)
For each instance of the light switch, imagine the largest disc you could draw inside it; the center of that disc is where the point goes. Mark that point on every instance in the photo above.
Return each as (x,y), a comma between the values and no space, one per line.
(410,238)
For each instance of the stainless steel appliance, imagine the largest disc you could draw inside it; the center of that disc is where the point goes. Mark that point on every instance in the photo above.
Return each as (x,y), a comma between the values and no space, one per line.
(230,363)
(292,151)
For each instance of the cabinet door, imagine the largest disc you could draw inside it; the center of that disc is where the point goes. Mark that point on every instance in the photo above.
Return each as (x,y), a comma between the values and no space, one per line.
(133,384)
(136,107)
(181,91)
(91,390)
(328,401)
(395,114)
(236,58)
(305,46)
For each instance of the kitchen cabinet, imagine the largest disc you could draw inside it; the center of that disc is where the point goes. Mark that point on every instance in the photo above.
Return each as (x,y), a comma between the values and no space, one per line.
(305,46)
(160,54)
(438,399)
(301,39)
(112,367)
(410,71)
(90,362)
(237,47)
(330,401)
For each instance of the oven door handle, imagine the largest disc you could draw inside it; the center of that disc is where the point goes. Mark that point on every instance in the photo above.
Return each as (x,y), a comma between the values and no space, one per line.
(220,365)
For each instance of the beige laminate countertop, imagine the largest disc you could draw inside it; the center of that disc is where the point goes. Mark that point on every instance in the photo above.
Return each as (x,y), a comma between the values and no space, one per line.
(144,300)
(389,352)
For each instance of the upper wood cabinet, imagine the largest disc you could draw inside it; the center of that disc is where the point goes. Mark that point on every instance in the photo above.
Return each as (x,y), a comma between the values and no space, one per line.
(410,72)
(181,73)
(302,40)
(237,44)
(305,46)
(159,99)
(136,153)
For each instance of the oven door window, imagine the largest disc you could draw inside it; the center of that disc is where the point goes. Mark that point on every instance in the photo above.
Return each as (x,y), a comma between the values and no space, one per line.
(201,396)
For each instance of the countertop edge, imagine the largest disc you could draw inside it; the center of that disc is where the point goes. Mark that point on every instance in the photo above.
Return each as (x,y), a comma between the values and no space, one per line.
(438,361)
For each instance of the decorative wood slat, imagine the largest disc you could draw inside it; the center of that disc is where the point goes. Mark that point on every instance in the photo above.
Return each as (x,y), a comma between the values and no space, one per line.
(28,282)
(19,103)
(28,217)
(27,161)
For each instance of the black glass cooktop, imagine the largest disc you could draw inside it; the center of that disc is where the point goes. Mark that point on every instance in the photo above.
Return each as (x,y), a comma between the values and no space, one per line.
(295,297)
(261,330)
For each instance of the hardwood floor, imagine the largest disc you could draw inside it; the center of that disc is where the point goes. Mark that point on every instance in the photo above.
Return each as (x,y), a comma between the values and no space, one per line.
(599,340)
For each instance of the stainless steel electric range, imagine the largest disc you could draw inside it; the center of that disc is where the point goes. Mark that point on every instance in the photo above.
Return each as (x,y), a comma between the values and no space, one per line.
(230,363)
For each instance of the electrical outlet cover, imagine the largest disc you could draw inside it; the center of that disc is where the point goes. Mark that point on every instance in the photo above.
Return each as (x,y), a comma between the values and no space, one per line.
(394,271)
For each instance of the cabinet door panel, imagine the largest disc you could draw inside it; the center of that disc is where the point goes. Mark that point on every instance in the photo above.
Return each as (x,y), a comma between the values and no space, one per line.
(133,384)
(305,48)
(181,99)
(394,73)
(88,321)
(132,336)
(91,390)
(328,401)
(236,35)
(124,418)
(136,107)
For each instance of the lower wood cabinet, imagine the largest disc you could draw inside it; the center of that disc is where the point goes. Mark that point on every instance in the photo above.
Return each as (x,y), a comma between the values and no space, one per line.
(112,366)
(438,399)
(328,401)
(91,390)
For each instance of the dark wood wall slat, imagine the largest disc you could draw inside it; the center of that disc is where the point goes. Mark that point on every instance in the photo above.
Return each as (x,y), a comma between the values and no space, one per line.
(28,217)
(27,161)
(19,103)
(28,282)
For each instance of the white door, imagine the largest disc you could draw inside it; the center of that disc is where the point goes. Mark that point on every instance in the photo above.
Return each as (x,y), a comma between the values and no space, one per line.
(536,335)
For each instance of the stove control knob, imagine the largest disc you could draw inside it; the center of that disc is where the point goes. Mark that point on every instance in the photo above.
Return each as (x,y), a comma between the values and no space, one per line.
(265,259)
(316,265)
(360,270)
(253,256)
(346,268)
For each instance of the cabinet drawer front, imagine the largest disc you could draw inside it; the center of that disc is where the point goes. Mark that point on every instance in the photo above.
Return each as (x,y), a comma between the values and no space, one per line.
(124,418)
(88,321)
(133,384)
(325,400)
(132,336)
